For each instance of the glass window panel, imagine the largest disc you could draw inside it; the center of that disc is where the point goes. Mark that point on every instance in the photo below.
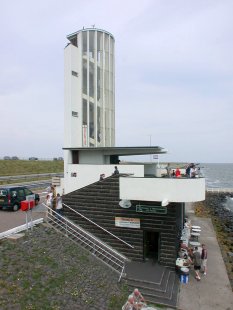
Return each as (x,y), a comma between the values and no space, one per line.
(85,76)
(99,46)
(84,43)
(110,81)
(106,80)
(84,112)
(106,43)
(106,61)
(111,65)
(98,83)
(99,133)
(99,41)
(91,43)
(111,45)
(91,79)
(91,120)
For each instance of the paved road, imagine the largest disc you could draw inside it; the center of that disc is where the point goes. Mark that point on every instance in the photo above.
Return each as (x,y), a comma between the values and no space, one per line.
(10,219)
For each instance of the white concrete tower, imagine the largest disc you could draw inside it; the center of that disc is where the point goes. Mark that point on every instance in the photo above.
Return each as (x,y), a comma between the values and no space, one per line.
(89,89)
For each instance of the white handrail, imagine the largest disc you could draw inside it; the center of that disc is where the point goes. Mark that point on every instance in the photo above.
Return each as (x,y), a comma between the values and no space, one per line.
(131,246)
(88,234)
(219,190)
(81,237)
(20,228)
(109,253)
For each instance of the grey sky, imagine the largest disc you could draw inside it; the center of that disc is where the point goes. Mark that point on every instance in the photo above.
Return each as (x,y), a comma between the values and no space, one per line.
(174,74)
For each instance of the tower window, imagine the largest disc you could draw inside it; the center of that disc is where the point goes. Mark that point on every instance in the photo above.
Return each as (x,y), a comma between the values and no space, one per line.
(74,114)
(74,73)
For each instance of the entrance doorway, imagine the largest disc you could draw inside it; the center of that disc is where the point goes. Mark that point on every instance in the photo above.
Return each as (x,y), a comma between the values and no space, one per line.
(151,242)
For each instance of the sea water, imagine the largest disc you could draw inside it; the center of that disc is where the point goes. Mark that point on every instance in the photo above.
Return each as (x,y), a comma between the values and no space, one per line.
(219,176)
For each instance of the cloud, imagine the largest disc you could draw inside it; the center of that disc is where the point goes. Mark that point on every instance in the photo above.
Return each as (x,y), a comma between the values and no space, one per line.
(174,73)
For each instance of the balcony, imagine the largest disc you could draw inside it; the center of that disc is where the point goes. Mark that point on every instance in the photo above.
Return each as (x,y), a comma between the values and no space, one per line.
(162,189)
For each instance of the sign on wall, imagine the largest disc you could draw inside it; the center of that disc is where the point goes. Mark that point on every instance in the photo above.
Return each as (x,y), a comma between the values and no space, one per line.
(127,222)
(151,209)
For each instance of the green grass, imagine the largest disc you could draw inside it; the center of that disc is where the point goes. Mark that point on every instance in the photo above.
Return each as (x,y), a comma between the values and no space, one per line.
(25,167)
(45,270)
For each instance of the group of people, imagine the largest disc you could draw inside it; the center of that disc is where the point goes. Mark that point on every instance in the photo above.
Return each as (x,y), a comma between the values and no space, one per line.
(135,301)
(192,171)
(173,173)
(196,258)
(54,200)
(200,261)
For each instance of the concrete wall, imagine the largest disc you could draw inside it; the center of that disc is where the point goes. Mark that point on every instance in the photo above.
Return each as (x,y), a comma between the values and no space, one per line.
(87,174)
(72,97)
(158,189)
(92,158)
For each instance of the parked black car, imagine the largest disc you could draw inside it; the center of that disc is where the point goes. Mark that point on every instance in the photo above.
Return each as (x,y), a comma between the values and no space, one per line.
(33,158)
(6,158)
(11,197)
(15,158)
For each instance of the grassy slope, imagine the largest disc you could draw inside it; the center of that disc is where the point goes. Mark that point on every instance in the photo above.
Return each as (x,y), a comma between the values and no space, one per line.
(45,270)
(21,167)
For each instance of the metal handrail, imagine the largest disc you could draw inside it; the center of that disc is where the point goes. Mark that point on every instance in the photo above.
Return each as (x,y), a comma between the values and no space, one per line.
(92,242)
(219,190)
(20,228)
(86,233)
(131,246)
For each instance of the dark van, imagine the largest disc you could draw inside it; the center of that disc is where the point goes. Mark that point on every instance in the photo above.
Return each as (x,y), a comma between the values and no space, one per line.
(11,197)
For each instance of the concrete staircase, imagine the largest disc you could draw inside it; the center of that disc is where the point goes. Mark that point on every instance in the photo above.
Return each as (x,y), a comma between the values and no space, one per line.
(158,284)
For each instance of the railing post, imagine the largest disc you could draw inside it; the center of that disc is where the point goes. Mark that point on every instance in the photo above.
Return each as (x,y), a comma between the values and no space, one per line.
(123,268)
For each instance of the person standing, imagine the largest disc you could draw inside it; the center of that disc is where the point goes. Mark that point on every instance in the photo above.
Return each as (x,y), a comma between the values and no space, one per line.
(168,168)
(54,197)
(204,259)
(178,174)
(49,205)
(59,205)
(197,263)
(116,171)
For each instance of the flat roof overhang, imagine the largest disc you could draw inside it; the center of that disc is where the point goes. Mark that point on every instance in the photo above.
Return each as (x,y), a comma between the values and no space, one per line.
(121,151)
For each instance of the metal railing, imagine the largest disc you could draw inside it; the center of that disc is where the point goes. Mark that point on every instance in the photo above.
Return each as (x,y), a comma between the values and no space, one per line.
(220,190)
(95,246)
(20,228)
(105,230)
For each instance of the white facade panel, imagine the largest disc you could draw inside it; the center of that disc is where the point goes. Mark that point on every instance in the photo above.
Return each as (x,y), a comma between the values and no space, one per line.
(87,174)
(159,189)
(73,99)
